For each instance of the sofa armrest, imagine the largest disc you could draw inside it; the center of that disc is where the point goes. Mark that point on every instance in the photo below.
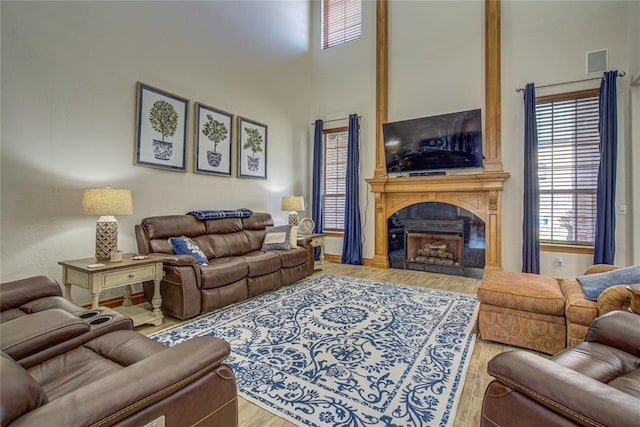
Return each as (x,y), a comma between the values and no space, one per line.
(601,268)
(16,293)
(619,329)
(31,334)
(304,242)
(175,260)
(135,387)
(614,298)
(555,387)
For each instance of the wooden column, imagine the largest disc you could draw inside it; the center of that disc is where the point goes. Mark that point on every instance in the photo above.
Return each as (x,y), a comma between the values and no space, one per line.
(492,118)
(382,83)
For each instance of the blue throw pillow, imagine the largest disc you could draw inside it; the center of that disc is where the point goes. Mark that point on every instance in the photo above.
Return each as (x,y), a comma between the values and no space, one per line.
(185,246)
(276,238)
(594,284)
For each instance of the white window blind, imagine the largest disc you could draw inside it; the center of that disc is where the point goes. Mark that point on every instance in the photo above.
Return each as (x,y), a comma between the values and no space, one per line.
(341,21)
(568,159)
(335,179)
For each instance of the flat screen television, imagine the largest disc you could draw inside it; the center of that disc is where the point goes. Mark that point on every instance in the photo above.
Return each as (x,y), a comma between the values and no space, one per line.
(432,143)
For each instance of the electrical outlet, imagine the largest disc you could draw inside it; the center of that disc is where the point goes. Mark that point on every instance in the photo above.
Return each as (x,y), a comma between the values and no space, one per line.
(559,262)
(623,209)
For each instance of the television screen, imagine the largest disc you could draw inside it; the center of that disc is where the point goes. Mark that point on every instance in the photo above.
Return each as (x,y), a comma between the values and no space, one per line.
(439,142)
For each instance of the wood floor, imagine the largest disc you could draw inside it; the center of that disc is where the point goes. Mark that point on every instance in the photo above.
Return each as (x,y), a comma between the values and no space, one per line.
(468,413)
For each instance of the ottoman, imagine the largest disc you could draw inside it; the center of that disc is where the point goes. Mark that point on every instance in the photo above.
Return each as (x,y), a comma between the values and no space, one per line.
(522,309)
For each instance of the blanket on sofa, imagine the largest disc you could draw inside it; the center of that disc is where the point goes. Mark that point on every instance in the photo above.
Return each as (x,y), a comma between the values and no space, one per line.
(221,213)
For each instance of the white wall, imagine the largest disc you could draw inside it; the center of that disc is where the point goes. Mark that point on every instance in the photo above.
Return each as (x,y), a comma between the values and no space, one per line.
(69,71)
(546,42)
(436,65)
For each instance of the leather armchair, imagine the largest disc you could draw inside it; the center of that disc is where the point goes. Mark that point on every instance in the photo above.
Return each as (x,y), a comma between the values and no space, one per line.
(594,383)
(123,378)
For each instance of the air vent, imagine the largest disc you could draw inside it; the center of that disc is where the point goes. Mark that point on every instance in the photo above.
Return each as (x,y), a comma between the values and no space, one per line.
(597,61)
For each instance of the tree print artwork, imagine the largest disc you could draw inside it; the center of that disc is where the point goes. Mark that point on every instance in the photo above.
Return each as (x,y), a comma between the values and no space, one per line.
(253,142)
(216,132)
(164,120)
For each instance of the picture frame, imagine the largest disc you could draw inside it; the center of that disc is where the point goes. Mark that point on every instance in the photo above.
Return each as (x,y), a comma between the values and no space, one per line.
(161,129)
(213,133)
(252,149)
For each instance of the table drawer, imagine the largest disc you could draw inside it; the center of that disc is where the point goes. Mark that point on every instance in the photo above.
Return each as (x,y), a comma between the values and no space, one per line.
(129,276)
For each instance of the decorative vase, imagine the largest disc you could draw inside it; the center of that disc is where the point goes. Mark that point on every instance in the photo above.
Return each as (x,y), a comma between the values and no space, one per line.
(214,158)
(253,163)
(162,150)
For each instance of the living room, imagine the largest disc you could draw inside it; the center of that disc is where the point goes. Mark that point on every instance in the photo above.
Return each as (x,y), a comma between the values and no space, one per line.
(69,74)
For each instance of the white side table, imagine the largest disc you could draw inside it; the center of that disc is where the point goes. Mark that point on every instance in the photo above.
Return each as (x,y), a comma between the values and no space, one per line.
(116,275)
(317,241)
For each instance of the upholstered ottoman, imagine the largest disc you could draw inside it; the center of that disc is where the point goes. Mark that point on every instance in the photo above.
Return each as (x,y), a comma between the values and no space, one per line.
(522,309)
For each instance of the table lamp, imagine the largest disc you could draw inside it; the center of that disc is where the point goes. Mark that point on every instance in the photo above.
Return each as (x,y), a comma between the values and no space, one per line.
(293,204)
(106,202)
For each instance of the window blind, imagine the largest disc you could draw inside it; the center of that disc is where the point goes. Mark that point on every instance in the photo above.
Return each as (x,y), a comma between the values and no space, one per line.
(341,22)
(335,179)
(568,159)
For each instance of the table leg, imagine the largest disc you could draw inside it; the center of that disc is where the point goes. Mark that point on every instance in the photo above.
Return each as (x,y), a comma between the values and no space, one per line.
(322,254)
(95,300)
(156,302)
(127,296)
(67,291)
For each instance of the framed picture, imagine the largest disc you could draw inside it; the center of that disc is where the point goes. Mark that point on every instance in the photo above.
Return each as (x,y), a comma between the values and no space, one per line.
(161,129)
(252,149)
(213,136)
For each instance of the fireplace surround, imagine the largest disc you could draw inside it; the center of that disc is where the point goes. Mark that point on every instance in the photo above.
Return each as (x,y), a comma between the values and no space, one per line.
(479,194)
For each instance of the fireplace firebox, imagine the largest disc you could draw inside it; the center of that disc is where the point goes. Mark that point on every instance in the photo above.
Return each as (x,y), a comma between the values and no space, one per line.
(438,238)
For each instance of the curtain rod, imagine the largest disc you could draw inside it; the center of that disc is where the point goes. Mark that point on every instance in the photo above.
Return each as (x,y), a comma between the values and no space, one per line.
(336,120)
(620,74)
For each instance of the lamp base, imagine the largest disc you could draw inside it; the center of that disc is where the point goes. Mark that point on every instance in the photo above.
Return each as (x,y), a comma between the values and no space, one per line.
(106,237)
(293,219)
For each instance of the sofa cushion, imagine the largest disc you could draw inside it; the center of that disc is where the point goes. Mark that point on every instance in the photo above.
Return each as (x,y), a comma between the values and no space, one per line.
(276,238)
(293,257)
(20,392)
(262,262)
(223,271)
(595,284)
(185,246)
(232,244)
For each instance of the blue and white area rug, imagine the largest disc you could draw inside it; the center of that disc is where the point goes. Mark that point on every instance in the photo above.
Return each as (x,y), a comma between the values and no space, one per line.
(342,351)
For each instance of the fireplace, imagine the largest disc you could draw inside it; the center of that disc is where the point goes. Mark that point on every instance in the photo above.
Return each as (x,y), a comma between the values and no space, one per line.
(480,194)
(437,238)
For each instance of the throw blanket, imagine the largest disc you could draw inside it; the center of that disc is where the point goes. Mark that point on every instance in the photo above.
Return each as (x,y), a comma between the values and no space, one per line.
(221,213)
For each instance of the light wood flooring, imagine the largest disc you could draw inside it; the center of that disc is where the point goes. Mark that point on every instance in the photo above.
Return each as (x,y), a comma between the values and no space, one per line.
(468,413)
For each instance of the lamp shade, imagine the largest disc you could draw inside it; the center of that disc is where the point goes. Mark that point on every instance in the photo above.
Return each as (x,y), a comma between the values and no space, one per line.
(292,203)
(106,201)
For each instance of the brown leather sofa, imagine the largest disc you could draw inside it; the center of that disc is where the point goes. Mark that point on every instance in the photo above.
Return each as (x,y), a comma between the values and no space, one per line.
(594,383)
(59,369)
(237,269)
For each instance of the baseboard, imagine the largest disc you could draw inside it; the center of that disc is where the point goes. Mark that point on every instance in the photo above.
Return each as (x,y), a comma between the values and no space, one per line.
(136,298)
(338,259)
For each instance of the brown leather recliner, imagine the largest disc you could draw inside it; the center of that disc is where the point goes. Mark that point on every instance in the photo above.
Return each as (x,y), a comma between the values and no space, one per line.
(37,323)
(126,379)
(594,383)
(62,365)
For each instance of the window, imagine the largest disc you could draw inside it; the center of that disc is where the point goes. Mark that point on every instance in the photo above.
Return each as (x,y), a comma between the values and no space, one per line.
(335,179)
(568,159)
(341,21)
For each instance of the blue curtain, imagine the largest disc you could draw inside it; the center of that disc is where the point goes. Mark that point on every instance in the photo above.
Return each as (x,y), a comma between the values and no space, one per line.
(605,244)
(530,222)
(352,243)
(316,202)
